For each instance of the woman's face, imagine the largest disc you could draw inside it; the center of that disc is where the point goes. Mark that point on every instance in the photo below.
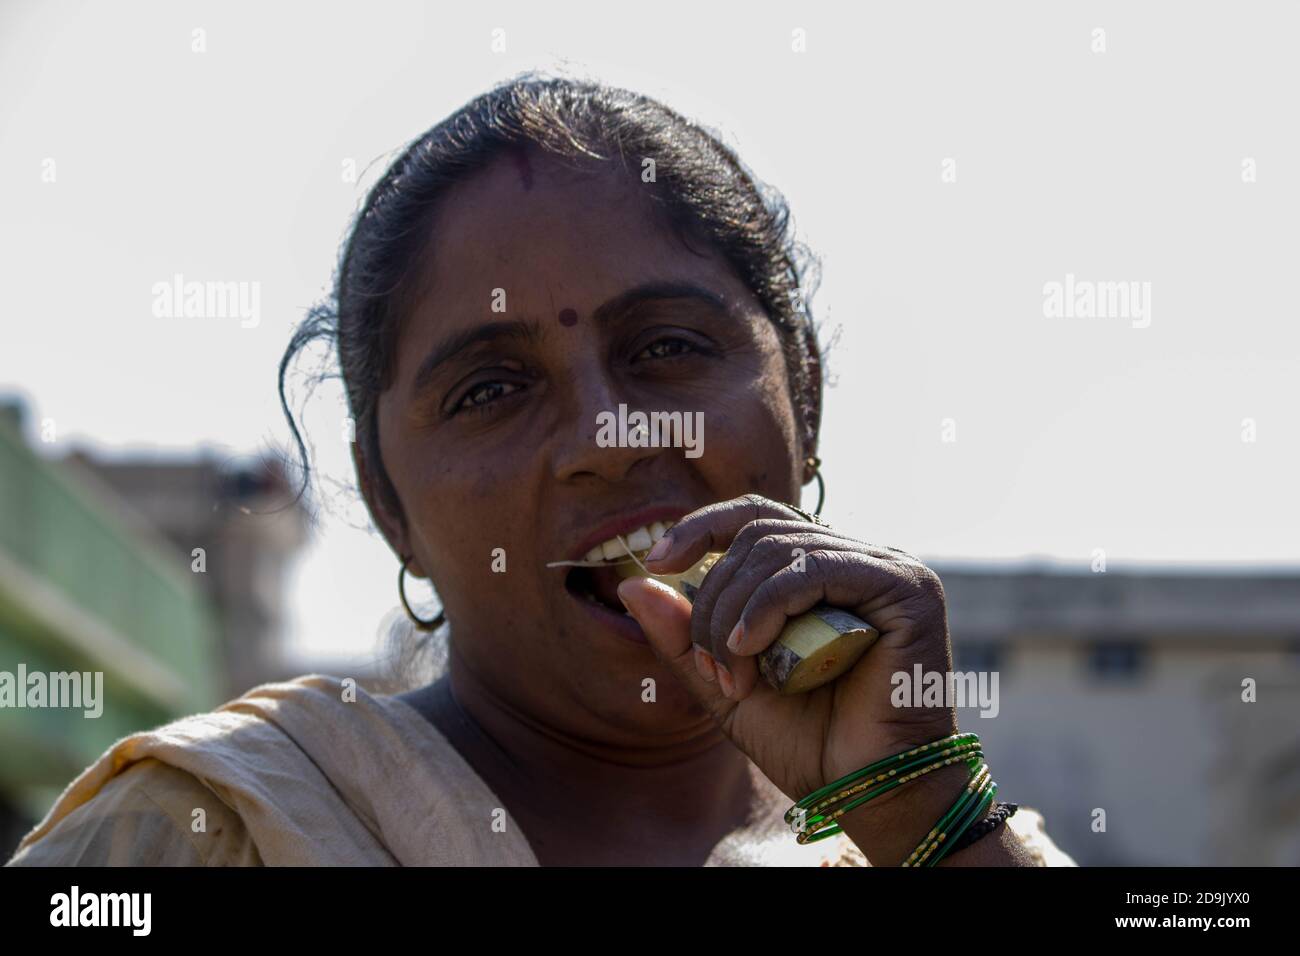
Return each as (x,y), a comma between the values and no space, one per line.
(554,297)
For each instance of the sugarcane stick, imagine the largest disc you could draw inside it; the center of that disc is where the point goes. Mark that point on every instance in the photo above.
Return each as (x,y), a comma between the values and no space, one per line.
(814,648)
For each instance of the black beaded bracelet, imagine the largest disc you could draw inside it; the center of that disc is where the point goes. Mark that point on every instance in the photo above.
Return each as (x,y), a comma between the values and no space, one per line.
(986,826)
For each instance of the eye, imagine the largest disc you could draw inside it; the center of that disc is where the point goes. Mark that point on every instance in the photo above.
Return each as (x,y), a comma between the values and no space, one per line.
(480,397)
(668,347)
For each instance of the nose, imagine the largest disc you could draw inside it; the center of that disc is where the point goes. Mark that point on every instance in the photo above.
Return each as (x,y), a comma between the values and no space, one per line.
(592,418)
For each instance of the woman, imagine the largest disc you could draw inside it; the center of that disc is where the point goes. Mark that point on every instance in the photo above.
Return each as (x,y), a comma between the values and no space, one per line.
(553,251)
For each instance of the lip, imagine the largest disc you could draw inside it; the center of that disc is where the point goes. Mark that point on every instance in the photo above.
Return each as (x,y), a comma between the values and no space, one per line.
(624,523)
(622,624)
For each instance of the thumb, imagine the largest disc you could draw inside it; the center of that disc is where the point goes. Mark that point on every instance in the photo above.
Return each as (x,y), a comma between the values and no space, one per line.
(665,617)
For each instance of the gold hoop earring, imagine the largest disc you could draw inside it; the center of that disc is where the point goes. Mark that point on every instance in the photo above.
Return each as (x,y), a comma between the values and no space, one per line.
(821,482)
(816,464)
(401,592)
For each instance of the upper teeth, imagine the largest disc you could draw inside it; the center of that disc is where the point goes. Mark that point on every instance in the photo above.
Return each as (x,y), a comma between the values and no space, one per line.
(642,539)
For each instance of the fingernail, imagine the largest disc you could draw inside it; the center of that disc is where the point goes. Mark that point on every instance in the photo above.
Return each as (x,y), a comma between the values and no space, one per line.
(725,681)
(662,547)
(733,640)
(704,664)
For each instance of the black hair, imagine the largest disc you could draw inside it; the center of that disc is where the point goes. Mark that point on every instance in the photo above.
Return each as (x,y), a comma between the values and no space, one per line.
(699,185)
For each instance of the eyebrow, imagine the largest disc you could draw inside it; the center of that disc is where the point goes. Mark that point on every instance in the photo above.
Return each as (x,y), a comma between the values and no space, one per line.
(604,315)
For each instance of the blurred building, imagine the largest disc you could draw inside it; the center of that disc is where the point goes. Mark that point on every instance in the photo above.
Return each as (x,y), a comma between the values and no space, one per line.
(99,573)
(239,518)
(1123,692)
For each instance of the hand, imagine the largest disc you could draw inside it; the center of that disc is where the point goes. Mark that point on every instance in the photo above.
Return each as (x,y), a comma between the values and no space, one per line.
(806,741)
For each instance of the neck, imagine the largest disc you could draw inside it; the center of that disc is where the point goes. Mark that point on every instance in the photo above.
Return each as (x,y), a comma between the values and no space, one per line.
(582,799)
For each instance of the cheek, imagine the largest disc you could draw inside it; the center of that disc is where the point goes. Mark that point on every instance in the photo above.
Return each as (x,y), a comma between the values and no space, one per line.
(470,525)
(767,405)
(460,503)
(466,506)
(750,440)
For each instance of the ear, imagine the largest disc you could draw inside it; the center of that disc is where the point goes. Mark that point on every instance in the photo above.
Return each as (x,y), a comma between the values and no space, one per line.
(812,423)
(808,470)
(392,526)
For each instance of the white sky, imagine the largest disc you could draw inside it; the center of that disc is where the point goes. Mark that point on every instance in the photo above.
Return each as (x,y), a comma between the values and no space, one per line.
(1072,434)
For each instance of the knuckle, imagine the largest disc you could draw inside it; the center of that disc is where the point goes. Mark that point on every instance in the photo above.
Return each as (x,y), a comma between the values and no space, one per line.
(773,550)
(746,536)
(789,585)
(929,583)
(928,591)
(756,530)
(822,563)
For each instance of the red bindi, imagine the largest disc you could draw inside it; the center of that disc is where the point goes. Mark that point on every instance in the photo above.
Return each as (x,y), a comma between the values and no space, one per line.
(568,317)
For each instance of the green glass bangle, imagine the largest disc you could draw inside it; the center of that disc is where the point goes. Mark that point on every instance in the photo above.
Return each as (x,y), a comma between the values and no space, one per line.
(932,839)
(824,815)
(962,825)
(879,765)
(813,826)
(976,813)
(931,842)
(963,818)
(934,757)
(947,825)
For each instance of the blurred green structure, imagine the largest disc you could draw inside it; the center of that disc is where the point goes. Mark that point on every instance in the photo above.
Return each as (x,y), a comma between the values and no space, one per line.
(84,587)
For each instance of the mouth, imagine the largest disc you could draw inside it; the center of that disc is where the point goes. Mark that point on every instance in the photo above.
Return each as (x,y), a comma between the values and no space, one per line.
(597,586)
(593,580)
(596,577)
(639,540)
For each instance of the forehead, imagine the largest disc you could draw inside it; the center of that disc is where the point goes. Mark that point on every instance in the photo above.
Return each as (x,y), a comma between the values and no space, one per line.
(552,235)
(529,206)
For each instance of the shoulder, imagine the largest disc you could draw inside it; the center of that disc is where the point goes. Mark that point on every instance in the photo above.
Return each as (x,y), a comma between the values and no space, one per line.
(151,814)
(178,794)
(261,779)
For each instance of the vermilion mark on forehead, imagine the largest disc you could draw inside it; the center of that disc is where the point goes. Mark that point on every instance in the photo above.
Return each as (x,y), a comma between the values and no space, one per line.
(568,317)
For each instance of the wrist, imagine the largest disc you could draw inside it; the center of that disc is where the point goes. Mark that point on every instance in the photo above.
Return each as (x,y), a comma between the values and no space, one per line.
(1002,847)
(889,828)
